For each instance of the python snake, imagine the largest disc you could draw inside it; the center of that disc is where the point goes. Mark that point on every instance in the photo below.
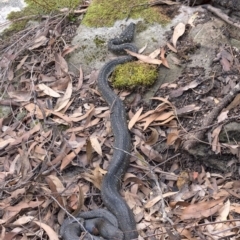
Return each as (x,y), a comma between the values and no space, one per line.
(101,223)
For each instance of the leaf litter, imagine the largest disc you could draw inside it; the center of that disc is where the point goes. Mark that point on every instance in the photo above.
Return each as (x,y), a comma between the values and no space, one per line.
(56,147)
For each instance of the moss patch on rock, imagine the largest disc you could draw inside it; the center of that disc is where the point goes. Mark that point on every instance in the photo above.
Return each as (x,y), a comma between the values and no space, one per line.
(134,74)
(104,12)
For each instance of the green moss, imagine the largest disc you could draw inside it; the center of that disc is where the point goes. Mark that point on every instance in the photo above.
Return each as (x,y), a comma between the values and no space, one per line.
(47,6)
(105,12)
(134,74)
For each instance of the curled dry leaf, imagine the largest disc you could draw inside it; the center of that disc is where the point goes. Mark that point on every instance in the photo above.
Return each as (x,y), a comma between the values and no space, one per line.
(223,116)
(61,65)
(187,109)
(4,143)
(178,32)
(164,60)
(50,232)
(134,119)
(216,147)
(77,199)
(94,177)
(96,145)
(144,58)
(156,199)
(20,96)
(67,159)
(63,101)
(235,103)
(155,53)
(171,48)
(202,209)
(22,62)
(153,138)
(61,84)
(48,91)
(23,220)
(141,50)
(150,152)
(68,49)
(172,137)
(192,19)
(42,40)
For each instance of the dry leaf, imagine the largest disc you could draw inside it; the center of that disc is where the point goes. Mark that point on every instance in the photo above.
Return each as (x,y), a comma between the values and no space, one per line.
(96,145)
(171,48)
(153,137)
(63,101)
(164,60)
(134,119)
(48,91)
(178,32)
(192,19)
(144,58)
(22,62)
(223,116)
(202,210)
(61,65)
(42,40)
(216,147)
(50,232)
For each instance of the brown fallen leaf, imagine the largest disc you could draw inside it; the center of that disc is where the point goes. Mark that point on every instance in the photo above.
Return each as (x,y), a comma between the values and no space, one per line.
(216,147)
(234,103)
(164,60)
(153,138)
(48,91)
(20,96)
(68,158)
(39,41)
(95,177)
(226,65)
(96,145)
(56,187)
(134,119)
(178,32)
(22,62)
(61,65)
(50,232)
(187,109)
(171,48)
(155,53)
(144,58)
(63,101)
(68,49)
(202,209)
(223,116)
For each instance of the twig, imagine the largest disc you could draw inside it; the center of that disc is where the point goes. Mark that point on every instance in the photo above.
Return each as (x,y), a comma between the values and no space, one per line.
(218,12)
(193,139)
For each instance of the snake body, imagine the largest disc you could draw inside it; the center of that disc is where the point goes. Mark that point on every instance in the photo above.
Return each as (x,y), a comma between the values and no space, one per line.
(120,160)
(101,220)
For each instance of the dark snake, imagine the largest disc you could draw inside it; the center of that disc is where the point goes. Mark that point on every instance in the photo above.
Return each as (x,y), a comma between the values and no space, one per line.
(100,222)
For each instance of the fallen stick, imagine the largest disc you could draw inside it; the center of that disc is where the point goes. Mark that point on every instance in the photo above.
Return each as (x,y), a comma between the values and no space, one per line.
(218,12)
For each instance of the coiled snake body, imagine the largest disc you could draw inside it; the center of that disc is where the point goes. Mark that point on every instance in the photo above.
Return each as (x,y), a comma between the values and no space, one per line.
(120,160)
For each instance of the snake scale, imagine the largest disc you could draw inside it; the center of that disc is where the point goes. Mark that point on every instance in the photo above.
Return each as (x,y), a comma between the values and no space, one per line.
(101,221)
